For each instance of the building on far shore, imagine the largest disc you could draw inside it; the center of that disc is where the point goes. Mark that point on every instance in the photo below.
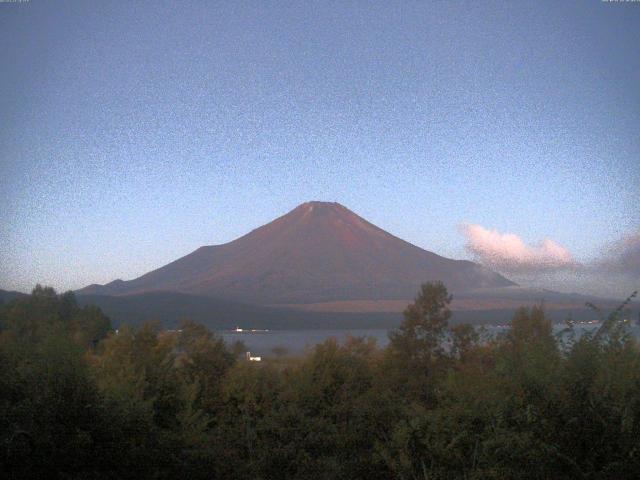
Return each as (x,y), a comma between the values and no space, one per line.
(253,359)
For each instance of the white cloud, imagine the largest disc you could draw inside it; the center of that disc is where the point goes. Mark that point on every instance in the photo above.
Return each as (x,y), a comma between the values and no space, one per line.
(509,253)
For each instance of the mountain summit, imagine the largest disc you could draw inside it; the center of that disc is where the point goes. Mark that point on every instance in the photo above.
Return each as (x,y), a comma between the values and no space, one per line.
(318,252)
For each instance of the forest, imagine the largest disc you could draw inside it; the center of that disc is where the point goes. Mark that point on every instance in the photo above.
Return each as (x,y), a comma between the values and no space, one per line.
(79,400)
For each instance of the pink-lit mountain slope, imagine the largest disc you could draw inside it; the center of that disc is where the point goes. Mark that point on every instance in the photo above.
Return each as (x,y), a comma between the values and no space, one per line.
(318,252)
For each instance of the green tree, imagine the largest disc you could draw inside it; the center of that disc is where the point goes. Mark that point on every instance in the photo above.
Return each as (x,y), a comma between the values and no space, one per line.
(464,341)
(415,353)
(50,408)
(203,359)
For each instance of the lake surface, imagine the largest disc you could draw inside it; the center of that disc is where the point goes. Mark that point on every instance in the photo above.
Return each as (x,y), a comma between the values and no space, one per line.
(297,341)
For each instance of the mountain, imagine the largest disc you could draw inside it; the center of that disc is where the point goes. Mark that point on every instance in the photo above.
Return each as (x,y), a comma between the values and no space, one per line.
(6,296)
(318,252)
(218,314)
(170,309)
(492,306)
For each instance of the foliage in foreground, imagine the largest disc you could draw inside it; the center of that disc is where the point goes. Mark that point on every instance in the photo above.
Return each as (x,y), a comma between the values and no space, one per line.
(78,400)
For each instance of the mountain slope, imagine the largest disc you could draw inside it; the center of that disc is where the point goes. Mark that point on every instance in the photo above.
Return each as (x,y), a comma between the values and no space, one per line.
(170,309)
(317,252)
(6,296)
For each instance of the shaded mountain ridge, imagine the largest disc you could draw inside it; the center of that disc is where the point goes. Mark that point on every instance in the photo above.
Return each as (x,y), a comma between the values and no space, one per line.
(318,252)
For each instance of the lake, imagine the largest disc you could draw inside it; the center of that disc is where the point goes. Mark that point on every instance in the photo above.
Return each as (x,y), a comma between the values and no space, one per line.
(297,341)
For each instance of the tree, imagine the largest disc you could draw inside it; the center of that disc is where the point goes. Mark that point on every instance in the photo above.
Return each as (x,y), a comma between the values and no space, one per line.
(50,406)
(425,322)
(415,350)
(203,359)
(464,339)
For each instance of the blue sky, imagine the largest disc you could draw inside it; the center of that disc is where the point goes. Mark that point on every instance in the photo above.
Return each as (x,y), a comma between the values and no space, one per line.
(134,132)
